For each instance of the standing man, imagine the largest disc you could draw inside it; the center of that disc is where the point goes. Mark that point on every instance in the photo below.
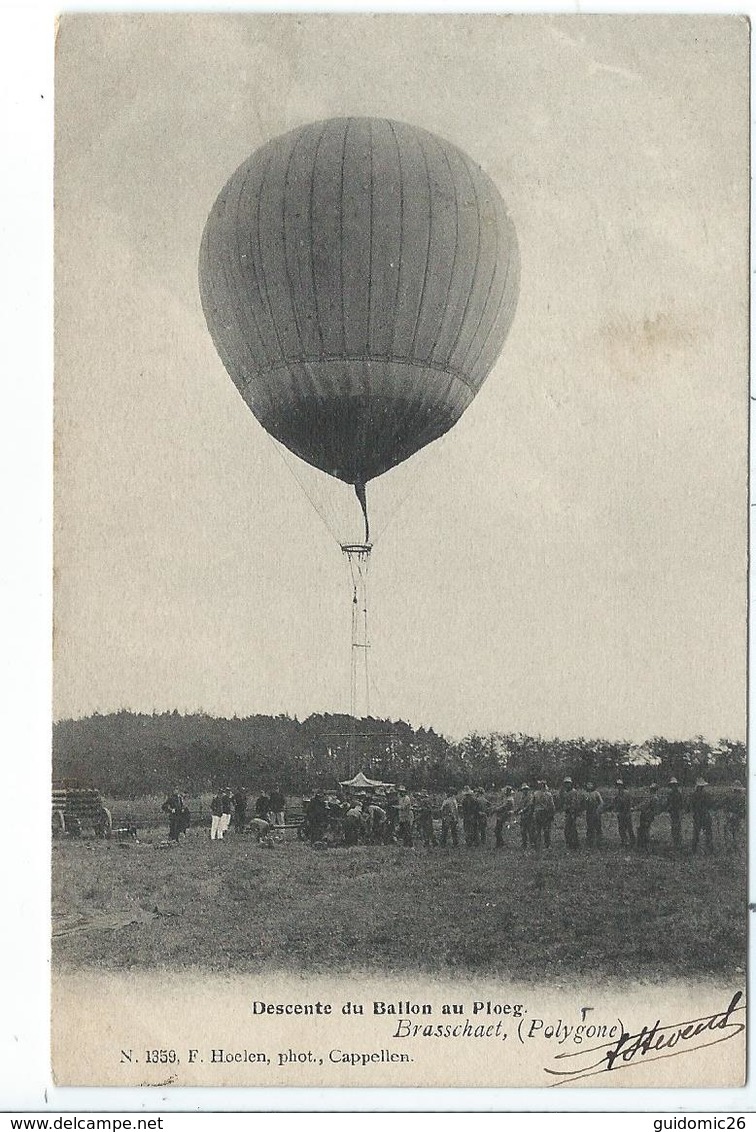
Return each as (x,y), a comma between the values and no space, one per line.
(216,816)
(504,815)
(469,808)
(316,817)
(425,820)
(594,804)
(573,805)
(624,812)
(482,815)
(278,806)
(700,805)
(542,815)
(405,817)
(525,814)
(366,820)
(175,807)
(240,809)
(227,806)
(735,813)
(185,817)
(449,819)
(392,816)
(648,811)
(675,807)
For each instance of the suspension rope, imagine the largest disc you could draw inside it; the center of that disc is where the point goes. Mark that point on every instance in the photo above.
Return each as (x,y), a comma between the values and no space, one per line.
(415,486)
(319,510)
(365,636)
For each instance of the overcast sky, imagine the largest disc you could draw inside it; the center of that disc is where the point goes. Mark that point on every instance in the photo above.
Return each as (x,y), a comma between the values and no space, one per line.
(570,559)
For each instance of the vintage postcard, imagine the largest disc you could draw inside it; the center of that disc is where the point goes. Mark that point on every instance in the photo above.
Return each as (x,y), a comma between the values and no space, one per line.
(401,511)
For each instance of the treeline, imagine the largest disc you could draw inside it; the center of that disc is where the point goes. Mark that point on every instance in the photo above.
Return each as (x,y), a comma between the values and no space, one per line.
(129,755)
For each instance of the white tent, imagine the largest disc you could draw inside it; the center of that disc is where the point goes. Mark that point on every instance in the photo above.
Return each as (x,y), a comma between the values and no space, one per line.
(361,782)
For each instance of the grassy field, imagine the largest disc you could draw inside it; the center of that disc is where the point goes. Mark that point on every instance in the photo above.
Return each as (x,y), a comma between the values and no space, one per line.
(234,905)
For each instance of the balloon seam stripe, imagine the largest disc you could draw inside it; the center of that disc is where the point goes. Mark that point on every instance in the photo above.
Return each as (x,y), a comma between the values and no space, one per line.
(282,352)
(282,233)
(507,307)
(489,293)
(225,268)
(370,241)
(311,251)
(401,234)
(254,367)
(504,299)
(328,508)
(495,322)
(260,372)
(471,291)
(341,242)
(423,289)
(292,289)
(445,309)
(240,257)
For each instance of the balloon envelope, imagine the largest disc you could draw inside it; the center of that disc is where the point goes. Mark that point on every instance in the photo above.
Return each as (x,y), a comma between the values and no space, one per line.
(358,277)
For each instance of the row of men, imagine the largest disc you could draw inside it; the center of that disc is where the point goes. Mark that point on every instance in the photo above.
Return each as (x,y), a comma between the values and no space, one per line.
(538,808)
(370,819)
(228,807)
(396,817)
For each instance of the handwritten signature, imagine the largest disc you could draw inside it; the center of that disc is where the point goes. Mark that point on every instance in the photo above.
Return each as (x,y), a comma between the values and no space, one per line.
(651,1043)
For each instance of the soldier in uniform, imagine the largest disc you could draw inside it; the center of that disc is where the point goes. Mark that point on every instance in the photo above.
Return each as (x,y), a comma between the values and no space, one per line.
(504,814)
(176,809)
(525,814)
(594,805)
(377,822)
(573,804)
(404,807)
(482,816)
(262,808)
(424,820)
(449,819)
(675,804)
(240,809)
(317,817)
(352,823)
(469,809)
(648,811)
(278,806)
(366,820)
(624,812)
(735,813)
(700,806)
(392,816)
(543,816)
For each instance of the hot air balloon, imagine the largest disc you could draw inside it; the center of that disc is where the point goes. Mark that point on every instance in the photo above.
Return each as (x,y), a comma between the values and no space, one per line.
(358,277)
